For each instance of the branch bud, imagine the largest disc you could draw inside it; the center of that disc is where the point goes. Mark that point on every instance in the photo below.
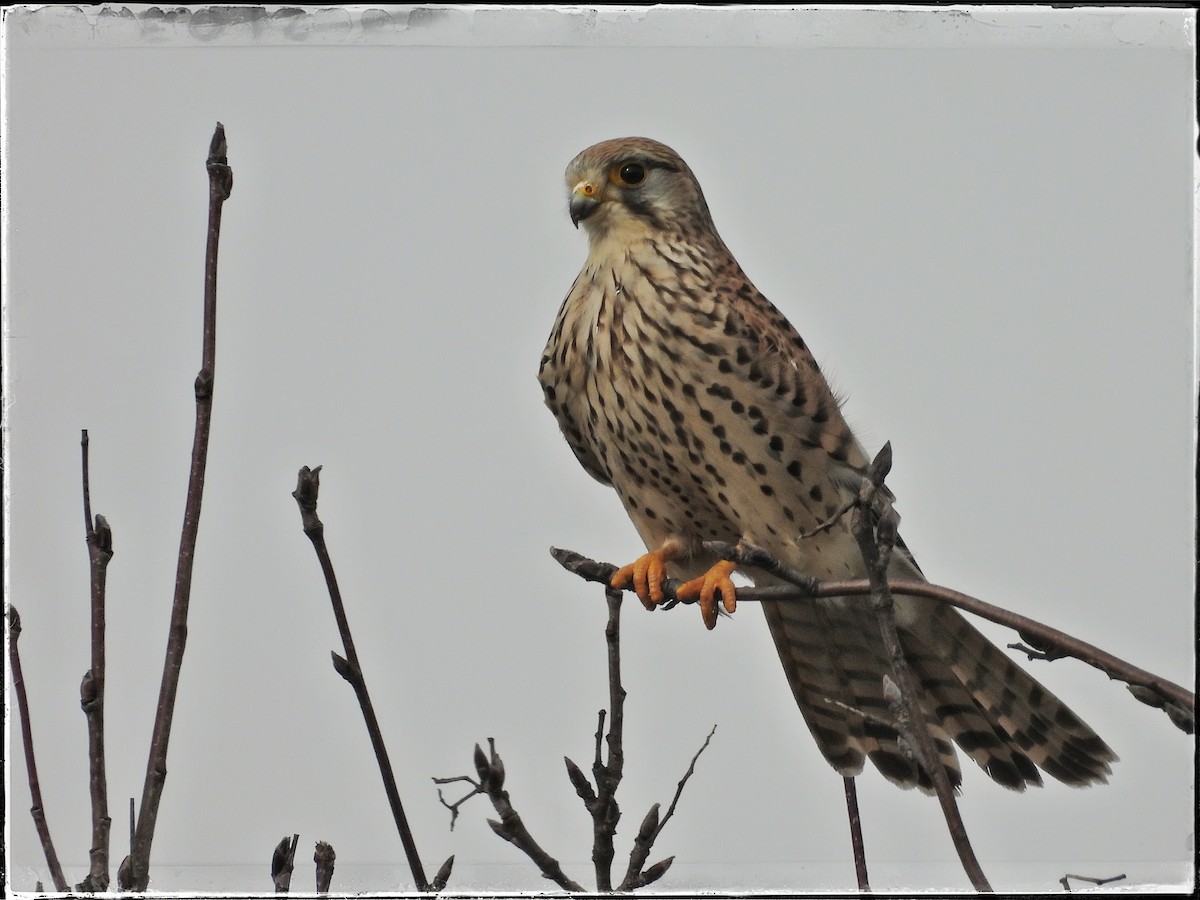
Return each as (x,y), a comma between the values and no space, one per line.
(583,787)
(649,824)
(443,874)
(308,485)
(125,874)
(342,667)
(657,871)
(279,856)
(891,693)
(87,691)
(323,854)
(102,534)
(1181,717)
(500,830)
(882,464)
(481,767)
(496,771)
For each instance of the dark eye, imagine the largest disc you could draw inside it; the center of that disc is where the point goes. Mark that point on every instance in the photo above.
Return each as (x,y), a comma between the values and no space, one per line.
(632,173)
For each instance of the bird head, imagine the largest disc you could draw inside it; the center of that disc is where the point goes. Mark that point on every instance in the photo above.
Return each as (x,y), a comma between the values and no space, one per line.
(633,185)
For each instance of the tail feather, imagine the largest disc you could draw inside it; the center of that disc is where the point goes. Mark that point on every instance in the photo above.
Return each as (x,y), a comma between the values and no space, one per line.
(835,664)
(983,740)
(1040,725)
(972,694)
(813,676)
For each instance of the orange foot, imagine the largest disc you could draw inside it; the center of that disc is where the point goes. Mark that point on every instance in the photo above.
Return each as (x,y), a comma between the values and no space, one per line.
(647,574)
(705,589)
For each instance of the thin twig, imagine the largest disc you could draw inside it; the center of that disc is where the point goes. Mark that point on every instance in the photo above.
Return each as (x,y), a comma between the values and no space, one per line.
(875,539)
(220,181)
(91,690)
(453,807)
(1178,702)
(652,826)
(683,782)
(831,521)
(856,836)
(1066,883)
(307,487)
(35,788)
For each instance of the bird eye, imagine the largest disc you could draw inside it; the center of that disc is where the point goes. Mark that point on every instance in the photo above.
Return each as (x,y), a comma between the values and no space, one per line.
(630,174)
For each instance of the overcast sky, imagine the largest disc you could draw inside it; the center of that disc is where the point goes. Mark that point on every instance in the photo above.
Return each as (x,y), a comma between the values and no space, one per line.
(981,221)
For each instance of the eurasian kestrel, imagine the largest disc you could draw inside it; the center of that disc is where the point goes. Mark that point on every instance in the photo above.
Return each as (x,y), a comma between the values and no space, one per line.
(675,381)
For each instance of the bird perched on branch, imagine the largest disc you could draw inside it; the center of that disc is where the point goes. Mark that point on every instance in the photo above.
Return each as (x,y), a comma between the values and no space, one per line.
(680,385)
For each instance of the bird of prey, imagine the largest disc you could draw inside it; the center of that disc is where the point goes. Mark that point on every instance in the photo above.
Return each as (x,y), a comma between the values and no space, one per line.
(680,385)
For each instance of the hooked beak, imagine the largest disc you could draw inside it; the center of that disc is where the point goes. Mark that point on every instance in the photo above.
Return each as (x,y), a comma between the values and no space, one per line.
(585,200)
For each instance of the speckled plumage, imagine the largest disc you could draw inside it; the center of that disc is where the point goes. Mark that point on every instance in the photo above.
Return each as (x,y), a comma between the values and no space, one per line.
(675,381)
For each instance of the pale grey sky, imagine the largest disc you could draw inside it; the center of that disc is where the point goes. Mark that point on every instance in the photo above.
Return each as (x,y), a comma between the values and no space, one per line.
(981,221)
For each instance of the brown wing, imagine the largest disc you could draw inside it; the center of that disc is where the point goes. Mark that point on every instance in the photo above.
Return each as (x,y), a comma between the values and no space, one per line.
(832,653)
(560,374)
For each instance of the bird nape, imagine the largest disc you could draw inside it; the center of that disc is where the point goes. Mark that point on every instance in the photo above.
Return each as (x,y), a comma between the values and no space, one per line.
(680,385)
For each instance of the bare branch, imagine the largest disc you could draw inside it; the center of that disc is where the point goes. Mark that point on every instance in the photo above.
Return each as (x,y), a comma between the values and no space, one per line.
(1179,703)
(35,787)
(220,185)
(100,551)
(307,488)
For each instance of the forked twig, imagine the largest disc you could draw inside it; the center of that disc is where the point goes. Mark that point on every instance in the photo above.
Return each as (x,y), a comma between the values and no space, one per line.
(220,184)
(510,826)
(599,800)
(453,807)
